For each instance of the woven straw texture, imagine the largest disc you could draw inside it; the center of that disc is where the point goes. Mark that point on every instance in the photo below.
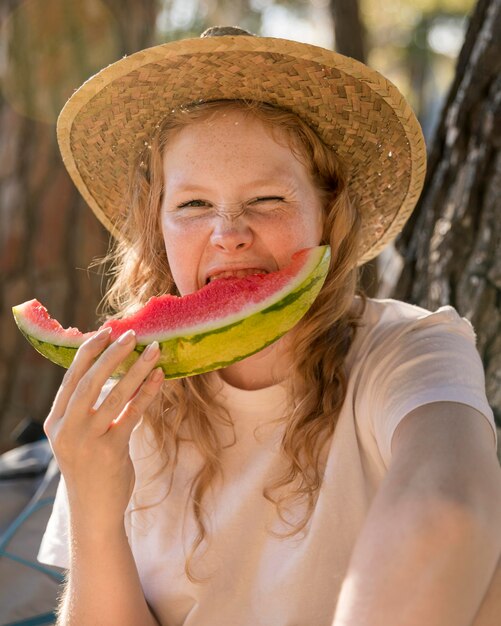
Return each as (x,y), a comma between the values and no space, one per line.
(106,123)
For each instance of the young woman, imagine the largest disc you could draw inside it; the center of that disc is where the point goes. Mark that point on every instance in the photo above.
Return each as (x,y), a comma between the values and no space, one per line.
(346,475)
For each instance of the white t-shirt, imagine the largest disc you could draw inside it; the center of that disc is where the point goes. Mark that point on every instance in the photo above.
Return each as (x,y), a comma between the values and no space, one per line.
(402,357)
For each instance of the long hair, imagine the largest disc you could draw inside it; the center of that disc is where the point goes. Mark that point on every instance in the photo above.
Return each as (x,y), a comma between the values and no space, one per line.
(320,341)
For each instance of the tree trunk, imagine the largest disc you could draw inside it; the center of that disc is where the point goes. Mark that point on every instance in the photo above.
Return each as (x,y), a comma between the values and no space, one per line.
(349,32)
(350,40)
(48,236)
(452,244)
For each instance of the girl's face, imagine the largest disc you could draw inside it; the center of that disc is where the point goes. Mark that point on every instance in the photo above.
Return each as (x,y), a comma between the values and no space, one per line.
(234,200)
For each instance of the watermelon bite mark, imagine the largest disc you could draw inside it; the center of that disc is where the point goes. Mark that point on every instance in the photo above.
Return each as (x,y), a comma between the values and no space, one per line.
(38,323)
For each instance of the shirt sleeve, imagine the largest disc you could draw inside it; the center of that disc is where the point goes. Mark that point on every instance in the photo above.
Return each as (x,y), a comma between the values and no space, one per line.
(416,362)
(55,546)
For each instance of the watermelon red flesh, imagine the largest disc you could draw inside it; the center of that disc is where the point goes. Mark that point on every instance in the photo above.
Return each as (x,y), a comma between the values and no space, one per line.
(221,323)
(37,322)
(222,302)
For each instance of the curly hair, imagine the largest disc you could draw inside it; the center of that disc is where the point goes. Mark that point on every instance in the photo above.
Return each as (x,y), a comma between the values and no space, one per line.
(320,341)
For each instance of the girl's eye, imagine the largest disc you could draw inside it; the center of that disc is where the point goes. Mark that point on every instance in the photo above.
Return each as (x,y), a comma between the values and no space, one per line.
(268,199)
(267,205)
(193,204)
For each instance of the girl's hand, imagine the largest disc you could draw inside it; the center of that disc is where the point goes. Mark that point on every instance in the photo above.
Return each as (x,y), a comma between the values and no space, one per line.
(92,446)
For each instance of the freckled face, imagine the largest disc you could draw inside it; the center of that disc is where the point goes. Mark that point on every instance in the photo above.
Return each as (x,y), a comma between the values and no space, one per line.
(234,198)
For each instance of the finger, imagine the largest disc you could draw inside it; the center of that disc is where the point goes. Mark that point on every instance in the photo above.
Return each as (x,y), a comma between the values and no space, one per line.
(124,391)
(84,358)
(91,383)
(123,426)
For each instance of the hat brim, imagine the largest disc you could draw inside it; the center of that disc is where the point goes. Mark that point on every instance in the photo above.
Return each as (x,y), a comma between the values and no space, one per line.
(360,114)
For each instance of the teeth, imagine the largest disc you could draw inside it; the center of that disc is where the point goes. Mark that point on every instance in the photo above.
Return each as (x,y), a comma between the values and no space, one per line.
(236,274)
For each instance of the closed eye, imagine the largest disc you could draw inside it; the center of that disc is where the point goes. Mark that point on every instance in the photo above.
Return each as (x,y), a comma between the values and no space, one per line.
(193,204)
(268,199)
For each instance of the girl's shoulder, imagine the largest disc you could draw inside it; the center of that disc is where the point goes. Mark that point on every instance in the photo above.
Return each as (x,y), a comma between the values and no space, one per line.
(384,311)
(381,314)
(386,323)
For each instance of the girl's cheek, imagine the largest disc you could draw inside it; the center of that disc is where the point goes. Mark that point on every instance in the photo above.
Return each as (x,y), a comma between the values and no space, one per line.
(179,235)
(302,231)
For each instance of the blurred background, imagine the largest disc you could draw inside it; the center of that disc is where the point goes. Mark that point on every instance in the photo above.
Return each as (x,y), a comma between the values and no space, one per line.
(48,48)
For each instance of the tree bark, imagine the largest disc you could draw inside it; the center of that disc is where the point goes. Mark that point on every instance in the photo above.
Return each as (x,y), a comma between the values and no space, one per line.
(48,236)
(452,244)
(349,32)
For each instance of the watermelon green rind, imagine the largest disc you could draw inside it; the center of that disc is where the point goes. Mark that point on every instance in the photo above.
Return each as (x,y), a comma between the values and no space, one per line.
(60,355)
(235,338)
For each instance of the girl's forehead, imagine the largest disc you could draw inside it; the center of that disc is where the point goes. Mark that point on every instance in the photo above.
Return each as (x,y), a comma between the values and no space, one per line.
(180,179)
(248,149)
(229,130)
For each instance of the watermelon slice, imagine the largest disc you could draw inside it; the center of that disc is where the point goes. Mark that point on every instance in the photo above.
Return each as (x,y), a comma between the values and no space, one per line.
(225,321)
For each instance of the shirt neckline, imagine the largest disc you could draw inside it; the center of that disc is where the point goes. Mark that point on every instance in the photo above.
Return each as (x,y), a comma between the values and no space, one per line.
(255,402)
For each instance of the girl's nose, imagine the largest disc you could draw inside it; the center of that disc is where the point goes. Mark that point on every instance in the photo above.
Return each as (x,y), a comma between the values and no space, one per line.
(230,235)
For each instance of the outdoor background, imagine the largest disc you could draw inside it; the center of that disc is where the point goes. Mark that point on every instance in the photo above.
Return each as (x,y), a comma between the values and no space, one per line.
(450,253)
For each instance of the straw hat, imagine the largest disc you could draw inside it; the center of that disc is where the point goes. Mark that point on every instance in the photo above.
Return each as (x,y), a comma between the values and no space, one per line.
(107,122)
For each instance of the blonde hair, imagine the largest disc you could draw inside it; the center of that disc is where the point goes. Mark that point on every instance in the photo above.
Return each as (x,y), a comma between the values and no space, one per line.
(320,342)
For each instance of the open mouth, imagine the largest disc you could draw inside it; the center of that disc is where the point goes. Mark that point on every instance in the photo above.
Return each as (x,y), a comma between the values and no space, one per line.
(235,274)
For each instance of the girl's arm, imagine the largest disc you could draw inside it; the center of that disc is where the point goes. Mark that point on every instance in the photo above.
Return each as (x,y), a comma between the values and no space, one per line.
(432,540)
(489,613)
(103,586)
(92,449)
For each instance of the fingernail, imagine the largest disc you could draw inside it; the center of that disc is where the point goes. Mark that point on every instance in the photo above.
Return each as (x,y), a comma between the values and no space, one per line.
(151,351)
(157,375)
(126,337)
(102,334)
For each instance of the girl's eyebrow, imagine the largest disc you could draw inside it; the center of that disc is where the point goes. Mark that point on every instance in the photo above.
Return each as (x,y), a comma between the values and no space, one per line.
(278,177)
(189,187)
